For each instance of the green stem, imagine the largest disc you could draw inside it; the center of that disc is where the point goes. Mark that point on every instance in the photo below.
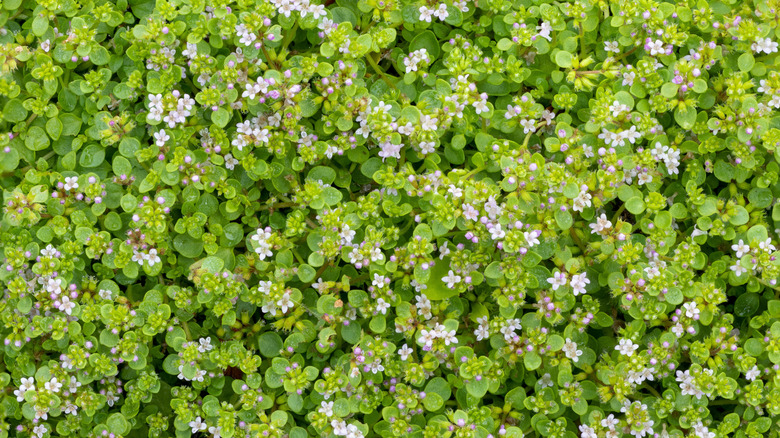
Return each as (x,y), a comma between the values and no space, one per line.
(290,36)
(617,214)
(577,240)
(277,206)
(186,327)
(652,390)
(473,172)
(626,53)
(379,71)
(723,402)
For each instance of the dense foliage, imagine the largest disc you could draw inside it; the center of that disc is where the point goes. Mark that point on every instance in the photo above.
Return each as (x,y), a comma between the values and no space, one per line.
(277,218)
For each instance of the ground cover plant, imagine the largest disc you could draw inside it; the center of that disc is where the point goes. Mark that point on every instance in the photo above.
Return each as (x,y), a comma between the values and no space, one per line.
(281,218)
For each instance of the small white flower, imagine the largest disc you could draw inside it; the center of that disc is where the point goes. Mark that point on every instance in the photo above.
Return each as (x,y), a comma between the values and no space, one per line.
(49,251)
(285,302)
(382,306)
(626,347)
(528,125)
(531,238)
(645,178)
(470,213)
(767,245)
(610,422)
(404,352)
(54,285)
(28,383)
(317,11)
(198,425)
(66,305)
(40,430)
(71,409)
(765,45)
(161,137)
(53,385)
(544,30)
(587,431)
(152,257)
(601,224)
(482,332)
(738,269)
(557,280)
(441,12)
(691,310)
(570,348)
(248,39)
(655,47)
(71,182)
(451,279)
(204,345)
(428,123)
(449,337)
(611,46)
(425,14)
(578,283)
(628,78)
(497,233)
(753,373)
(326,408)
(230,162)
(480,106)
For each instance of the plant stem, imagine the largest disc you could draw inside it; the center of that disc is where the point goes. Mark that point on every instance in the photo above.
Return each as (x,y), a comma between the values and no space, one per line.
(379,71)
(186,327)
(290,36)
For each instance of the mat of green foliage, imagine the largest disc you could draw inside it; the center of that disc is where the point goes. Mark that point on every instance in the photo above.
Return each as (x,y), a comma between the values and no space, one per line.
(389,218)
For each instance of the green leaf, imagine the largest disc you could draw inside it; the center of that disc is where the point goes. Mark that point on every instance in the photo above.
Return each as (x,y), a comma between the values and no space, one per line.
(92,156)
(564,59)
(685,118)
(117,424)
(428,41)
(14,111)
(54,128)
(746,62)
(747,304)
(724,171)
(532,360)
(377,324)
(477,388)
(108,338)
(531,259)
(663,219)
(270,344)
(437,289)
(188,246)
(433,402)
(40,25)
(322,173)
(740,217)
(36,139)
(212,264)
(564,219)
(635,205)
(220,117)
(761,198)
(306,273)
